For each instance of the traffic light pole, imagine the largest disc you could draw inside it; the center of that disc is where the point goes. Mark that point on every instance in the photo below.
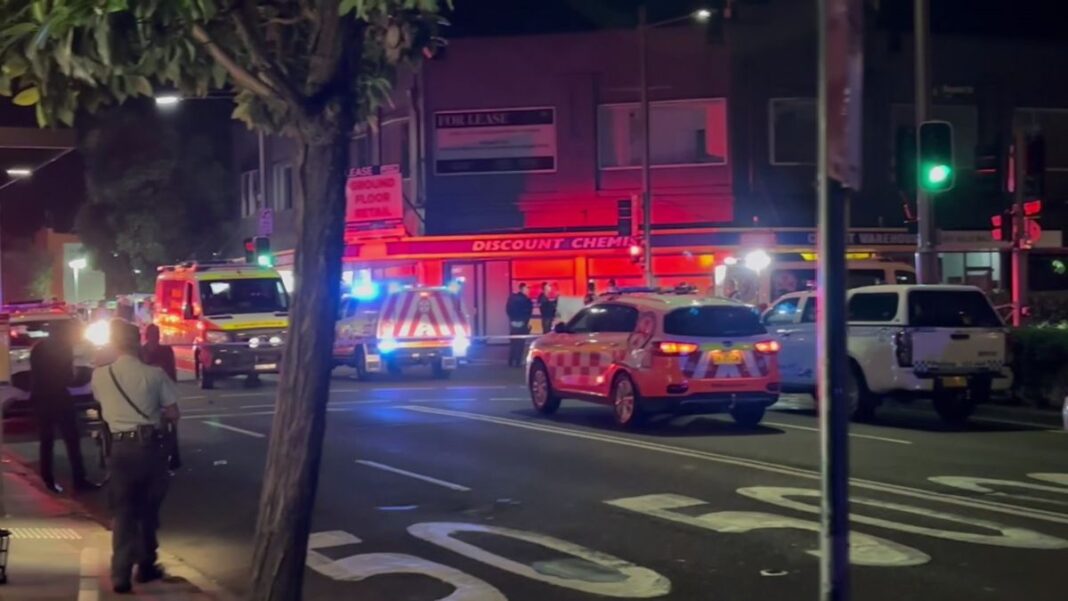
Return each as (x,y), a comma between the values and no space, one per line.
(647,196)
(926,254)
(831,346)
(1020,242)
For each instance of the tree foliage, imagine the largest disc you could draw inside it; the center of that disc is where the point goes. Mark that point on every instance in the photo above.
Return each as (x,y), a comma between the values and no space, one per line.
(155,197)
(310,69)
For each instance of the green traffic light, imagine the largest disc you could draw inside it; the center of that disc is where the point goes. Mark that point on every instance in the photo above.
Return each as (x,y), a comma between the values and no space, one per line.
(264,261)
(938,174)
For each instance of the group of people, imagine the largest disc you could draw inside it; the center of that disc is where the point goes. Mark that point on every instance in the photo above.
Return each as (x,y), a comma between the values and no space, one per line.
(138,399)
(520,310)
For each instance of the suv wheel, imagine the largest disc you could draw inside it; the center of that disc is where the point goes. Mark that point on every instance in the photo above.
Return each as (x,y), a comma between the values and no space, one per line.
(748,416)
(862,402)
(440,373)
(626,402)
(953,408)
(541,390)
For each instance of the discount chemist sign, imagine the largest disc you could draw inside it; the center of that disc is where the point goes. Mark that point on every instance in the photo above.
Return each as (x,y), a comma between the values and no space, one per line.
(374,198)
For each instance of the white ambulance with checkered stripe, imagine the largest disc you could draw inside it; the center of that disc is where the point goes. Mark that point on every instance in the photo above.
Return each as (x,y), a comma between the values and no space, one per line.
(387,330)
(940,342)
(659,352)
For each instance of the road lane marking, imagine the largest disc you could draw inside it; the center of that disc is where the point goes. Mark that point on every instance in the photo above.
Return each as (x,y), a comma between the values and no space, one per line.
(263,406)
(864,549)
(234,395)
(982,485)
(397,470)
(192,398)
(216,424)
(624,579)
(907,491)
(509,398)
(1013,422)
(439,400)
(851,434)
(218,415)
(1006,536)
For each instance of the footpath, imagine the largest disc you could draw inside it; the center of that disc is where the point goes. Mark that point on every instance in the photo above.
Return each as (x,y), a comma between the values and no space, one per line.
(57,552)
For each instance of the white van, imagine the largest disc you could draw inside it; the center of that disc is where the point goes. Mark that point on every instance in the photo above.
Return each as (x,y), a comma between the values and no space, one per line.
(761,287)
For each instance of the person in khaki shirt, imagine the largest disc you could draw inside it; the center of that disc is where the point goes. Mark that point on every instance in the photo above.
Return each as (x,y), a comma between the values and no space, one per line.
(135,401)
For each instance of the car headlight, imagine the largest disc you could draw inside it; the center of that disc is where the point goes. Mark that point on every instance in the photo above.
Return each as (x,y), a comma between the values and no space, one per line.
(276,340)
(98,333)
(216,337)
(387,345)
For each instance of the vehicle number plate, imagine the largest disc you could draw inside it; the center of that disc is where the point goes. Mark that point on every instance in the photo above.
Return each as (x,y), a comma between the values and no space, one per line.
(954,382)
(726,357)
(266,366)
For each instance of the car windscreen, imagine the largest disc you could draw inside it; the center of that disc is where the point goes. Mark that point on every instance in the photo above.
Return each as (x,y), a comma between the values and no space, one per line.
(240,296)
(713,321)
(951,309)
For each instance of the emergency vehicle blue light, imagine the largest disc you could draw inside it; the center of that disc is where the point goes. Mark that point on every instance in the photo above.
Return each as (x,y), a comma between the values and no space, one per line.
(394,287)
(387,345)
(455,285)
(460,344)
(365,290)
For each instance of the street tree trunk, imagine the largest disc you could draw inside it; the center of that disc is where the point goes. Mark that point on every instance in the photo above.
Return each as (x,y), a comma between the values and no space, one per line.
(291,476)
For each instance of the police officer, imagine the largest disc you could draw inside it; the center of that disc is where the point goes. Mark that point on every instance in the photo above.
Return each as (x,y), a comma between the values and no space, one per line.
(519,309)
(52,372)
(135,400)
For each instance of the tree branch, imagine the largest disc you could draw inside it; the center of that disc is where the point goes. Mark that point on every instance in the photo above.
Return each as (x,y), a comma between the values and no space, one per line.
(245,24)
(241,76)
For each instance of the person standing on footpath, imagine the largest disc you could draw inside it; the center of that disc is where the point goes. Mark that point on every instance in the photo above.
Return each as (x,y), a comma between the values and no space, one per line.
(547,306)
(520,309)
(52,373)
(162,356)
(135,400)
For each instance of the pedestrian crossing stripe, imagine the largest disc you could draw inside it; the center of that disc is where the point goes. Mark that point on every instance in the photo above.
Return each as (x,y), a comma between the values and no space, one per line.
(44,533)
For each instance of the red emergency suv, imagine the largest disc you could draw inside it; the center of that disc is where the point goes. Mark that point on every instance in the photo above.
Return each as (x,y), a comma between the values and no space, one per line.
(652,352)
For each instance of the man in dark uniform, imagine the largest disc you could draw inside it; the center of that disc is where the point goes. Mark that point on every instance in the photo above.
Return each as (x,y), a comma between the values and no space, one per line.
(52,372)
(547,306)
(135,400)
(520,309)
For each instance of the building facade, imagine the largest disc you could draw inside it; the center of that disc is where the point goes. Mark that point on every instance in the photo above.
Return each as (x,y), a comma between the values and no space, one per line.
(514,152)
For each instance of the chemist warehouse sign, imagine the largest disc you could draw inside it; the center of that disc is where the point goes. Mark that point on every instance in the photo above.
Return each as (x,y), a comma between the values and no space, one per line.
(510,246)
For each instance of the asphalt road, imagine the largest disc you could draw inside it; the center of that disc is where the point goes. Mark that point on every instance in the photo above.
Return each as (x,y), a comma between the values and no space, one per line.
(457,490)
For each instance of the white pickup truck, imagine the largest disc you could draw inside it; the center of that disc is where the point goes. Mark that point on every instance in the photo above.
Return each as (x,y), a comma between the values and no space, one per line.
(939,342)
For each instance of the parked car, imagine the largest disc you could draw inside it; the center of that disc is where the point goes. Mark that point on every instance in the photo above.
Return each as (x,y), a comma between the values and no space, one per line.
(938,342)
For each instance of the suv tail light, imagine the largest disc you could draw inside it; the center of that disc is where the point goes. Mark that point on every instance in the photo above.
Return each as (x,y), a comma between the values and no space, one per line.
(767,347)
(903,348)
(672,349)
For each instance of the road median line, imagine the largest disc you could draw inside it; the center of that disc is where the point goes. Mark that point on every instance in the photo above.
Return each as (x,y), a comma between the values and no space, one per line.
(851,434)
(424,478)
(223,426)
(1038,514)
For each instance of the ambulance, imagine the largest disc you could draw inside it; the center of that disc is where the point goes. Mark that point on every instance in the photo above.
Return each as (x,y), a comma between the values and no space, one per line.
(223,319)
(386,331)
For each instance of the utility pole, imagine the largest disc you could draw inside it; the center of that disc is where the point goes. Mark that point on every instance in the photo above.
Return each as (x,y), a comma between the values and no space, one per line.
(647,196)
(1020,241)
(926,255)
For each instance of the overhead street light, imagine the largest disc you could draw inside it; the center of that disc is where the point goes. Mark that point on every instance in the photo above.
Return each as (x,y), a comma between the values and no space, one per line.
(19,172)
(167,99)
(702,14)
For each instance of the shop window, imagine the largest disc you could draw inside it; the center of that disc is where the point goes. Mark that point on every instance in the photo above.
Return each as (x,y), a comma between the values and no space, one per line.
(543,269)
(1053,125)
(792,131)
(282,190)
(250,192)
(683,132)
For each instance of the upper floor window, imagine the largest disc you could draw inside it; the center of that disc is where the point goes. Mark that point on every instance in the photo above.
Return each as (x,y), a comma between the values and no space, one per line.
(683,132)
(282,187)
(396,145)
(250,192)
(360,151)
(792,131)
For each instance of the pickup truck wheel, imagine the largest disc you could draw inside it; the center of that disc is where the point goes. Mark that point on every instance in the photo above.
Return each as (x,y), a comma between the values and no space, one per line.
(542,396)
(359,364)
(954,408)
(748,416)
(440,373)
(862,402)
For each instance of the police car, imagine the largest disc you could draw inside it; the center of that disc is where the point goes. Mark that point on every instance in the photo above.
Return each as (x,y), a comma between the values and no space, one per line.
(31,322)
(390,328)
(658,351)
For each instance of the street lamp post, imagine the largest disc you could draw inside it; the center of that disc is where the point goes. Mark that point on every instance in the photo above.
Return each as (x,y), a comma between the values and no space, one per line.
(644,26)
(76,265)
